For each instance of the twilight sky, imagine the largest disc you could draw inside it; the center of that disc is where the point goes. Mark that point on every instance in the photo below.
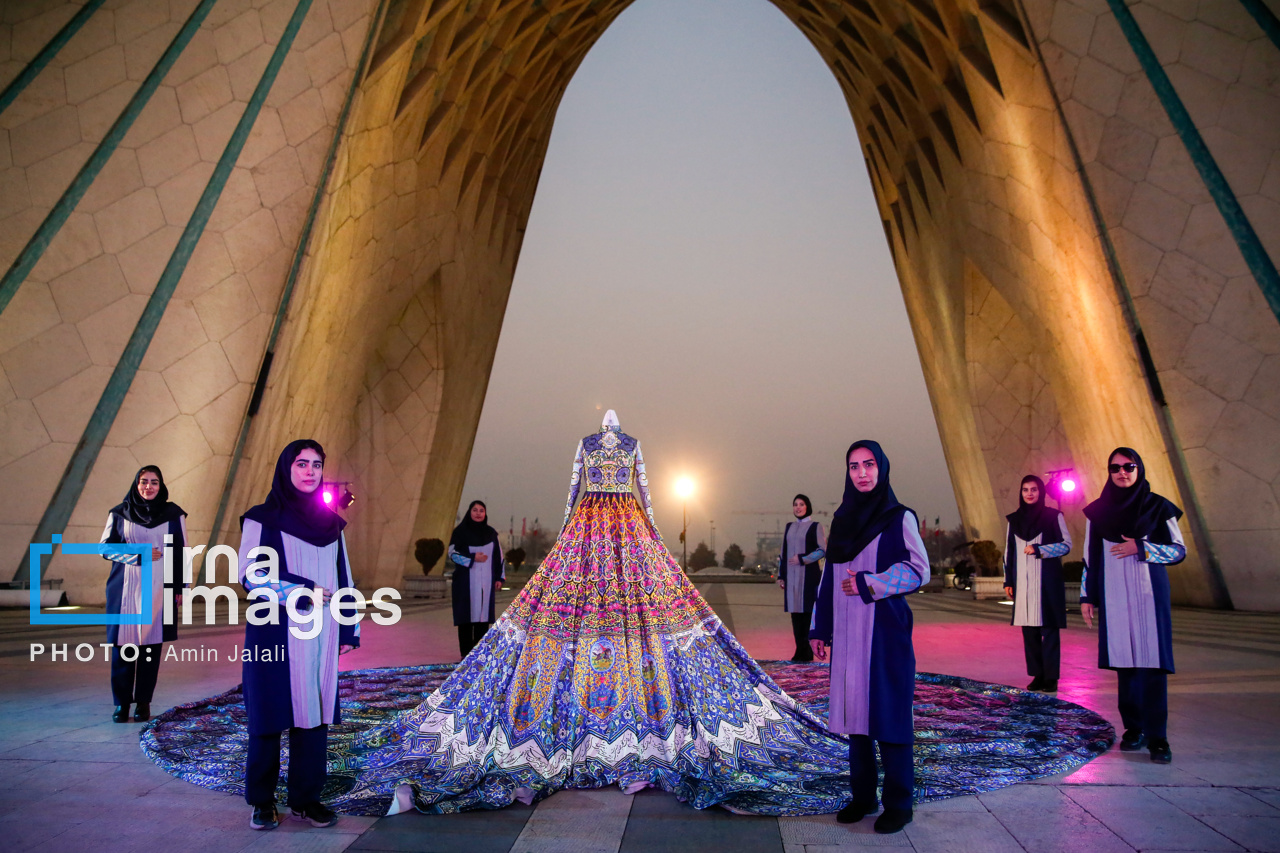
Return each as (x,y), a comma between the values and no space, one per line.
(705,256)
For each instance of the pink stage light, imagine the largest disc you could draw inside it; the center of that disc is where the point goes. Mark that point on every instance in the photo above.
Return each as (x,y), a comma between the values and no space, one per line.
(328,496)
(1068,485)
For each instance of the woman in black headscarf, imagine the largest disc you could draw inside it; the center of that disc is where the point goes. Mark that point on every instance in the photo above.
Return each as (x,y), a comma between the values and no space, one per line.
(875,558)
(1130,536)
(144,517)
(478,573)
(1034,546)
(291,681)
(799,570)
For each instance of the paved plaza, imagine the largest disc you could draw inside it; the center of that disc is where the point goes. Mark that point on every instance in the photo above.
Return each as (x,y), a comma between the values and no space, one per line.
(74,781)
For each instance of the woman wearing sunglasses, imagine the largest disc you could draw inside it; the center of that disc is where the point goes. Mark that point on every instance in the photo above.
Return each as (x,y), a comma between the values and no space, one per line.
(1130,536)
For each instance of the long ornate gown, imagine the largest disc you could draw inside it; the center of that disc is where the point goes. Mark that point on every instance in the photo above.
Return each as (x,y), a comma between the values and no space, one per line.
(608,669)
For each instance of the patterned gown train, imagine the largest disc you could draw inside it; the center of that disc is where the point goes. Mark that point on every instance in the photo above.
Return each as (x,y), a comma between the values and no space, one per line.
(608,669)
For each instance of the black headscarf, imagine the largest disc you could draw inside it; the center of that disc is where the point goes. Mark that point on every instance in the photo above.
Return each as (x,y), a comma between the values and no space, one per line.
(1031,520)
(299,514)
(472,534)
(1136,512)
(147,513)
(808,506)
(862,516)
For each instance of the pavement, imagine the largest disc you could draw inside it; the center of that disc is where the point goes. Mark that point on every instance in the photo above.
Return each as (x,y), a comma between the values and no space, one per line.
(71,780)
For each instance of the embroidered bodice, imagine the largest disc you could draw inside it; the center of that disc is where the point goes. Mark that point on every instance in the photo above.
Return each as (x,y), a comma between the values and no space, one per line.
(611,461)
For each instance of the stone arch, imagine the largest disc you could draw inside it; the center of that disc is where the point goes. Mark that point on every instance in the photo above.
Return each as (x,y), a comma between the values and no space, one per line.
(376,213)
(962,140)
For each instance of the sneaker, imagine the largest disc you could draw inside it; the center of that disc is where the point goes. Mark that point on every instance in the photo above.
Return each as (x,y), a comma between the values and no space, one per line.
(1160,752)
(892,820)
(317,813)
(1132,741)
(855,812)
(264,817)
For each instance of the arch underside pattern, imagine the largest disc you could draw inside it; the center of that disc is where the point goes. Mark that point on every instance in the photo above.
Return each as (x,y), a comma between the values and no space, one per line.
(984,139)
(972,174)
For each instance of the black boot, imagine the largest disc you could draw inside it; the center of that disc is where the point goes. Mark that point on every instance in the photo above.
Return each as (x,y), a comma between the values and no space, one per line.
(893,820)
(1160,752)
(1036,684)
(121,714)
(142,712)
(1133,740)
(855,812)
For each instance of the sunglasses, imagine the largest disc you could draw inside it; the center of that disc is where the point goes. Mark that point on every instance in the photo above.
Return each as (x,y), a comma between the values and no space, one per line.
(1127,467)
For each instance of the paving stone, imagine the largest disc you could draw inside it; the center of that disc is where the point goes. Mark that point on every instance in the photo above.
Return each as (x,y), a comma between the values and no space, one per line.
(1216,801)
(1261,834)
(960,832)
(473,832)
(576,822)
(1146,821)
(662,824)
(1044,818)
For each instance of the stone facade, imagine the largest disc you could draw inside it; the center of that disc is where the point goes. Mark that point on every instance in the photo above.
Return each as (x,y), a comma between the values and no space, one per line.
(1043,211)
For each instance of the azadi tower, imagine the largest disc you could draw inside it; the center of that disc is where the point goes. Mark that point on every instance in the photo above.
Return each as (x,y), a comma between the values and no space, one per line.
(229,223)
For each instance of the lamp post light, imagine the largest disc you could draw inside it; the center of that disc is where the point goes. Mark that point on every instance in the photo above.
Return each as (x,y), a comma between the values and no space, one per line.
(684,488)
(1061,482)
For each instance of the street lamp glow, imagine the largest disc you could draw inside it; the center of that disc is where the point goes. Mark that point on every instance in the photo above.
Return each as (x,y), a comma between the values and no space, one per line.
(684,487)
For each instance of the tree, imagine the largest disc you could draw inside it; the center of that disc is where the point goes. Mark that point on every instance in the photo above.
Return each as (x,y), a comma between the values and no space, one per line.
(428,552)
(733,557)
(536,543)
(701,558)
(515,558)
(987,557)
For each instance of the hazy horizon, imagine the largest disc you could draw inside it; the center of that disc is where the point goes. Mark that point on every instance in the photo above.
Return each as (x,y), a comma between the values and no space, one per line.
(705,256)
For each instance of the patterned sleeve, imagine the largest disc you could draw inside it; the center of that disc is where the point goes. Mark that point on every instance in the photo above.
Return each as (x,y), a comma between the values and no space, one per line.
(500,562)
(250,538)
(642,482)
(575,485)
(903,577)
(1057,549)
(1170,554)
(459,559)
(111,537)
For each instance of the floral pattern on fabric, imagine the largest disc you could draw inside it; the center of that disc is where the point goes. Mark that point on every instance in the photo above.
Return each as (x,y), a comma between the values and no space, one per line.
(971,737)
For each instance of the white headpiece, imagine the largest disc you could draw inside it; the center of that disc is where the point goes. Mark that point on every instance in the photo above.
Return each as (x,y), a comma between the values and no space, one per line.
(610,420)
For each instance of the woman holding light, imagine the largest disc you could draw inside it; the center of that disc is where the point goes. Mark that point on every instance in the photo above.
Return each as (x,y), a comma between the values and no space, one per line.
(1035,544)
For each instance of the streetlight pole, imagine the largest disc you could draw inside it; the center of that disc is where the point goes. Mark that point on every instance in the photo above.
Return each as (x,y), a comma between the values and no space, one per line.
(684,539)
(684,488)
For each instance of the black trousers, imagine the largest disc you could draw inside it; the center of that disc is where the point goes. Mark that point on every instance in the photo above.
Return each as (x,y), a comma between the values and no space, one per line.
(135,681)
(1144,701)
(1043,647)
(899,773)
(307,749)
(800,627)
(470,634)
